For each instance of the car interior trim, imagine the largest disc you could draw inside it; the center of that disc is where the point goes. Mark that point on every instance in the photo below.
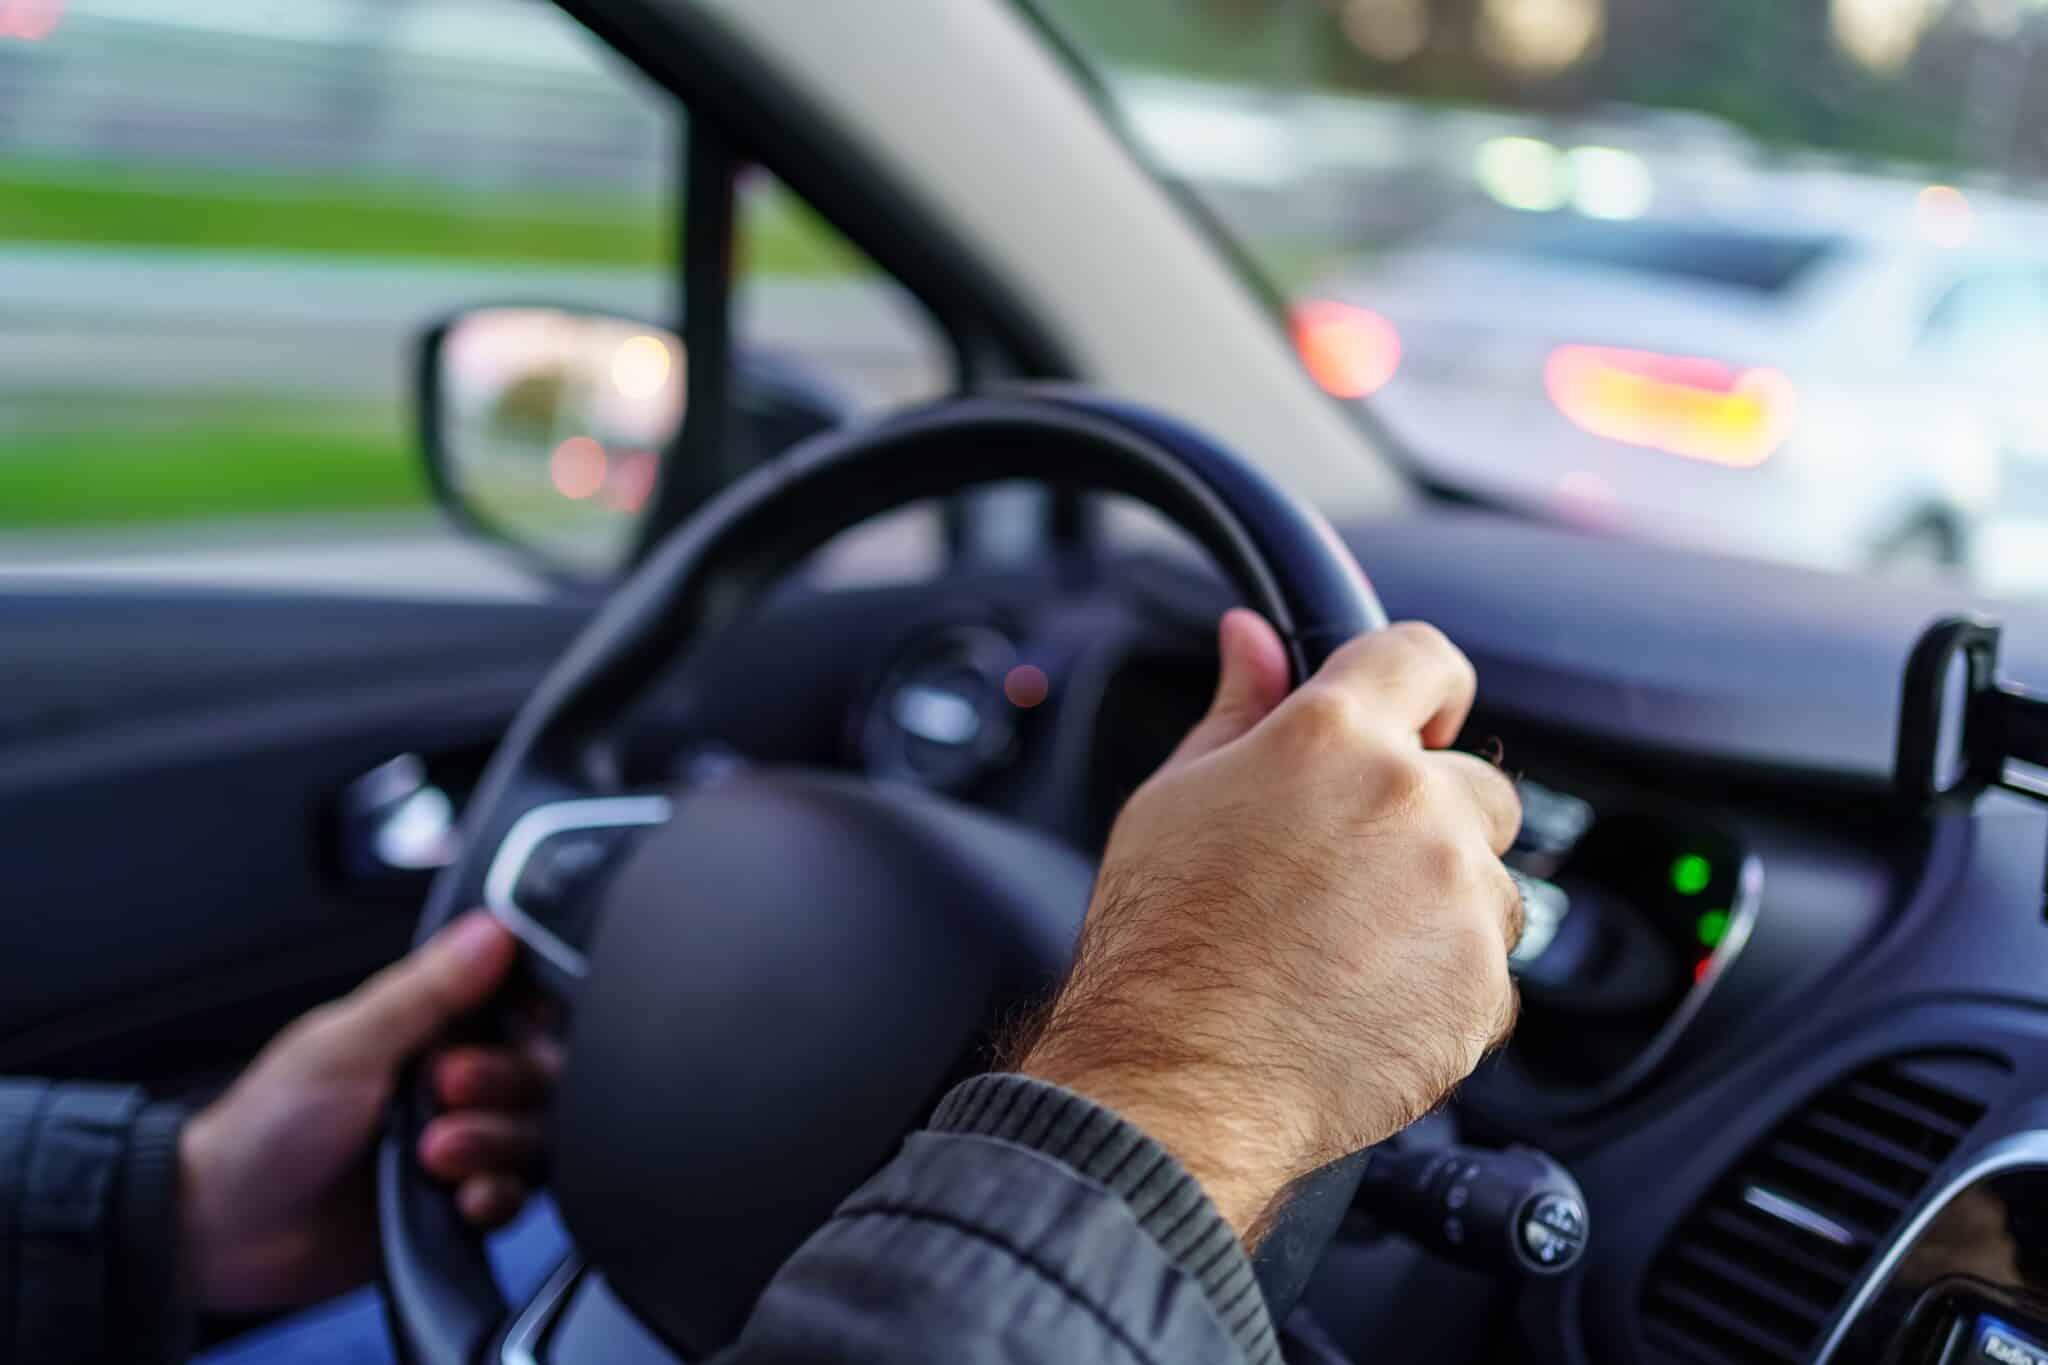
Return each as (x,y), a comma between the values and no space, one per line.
(535,828)
(1742,912)
(1796,1214)
(523,1338)
(993,328)
(2024,1149)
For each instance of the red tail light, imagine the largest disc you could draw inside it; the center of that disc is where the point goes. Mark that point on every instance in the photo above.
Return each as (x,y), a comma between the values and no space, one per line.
(1351,352)
(1682,405)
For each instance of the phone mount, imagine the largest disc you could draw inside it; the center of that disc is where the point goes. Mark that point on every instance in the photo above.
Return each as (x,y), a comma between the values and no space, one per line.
(1994,727)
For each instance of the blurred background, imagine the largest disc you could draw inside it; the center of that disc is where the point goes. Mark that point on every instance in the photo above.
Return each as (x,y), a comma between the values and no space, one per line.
(1757,274)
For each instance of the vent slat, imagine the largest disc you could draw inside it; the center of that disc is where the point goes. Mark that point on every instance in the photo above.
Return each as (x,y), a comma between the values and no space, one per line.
(1737,1276)
(1842,1130)
(1768,1238)
(1899,1106)
(1717,1324)
(1689,1350)
(1736,1285)
(1867,1196)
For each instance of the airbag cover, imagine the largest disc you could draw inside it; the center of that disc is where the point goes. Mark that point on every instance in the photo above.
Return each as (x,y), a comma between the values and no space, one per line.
(785,979)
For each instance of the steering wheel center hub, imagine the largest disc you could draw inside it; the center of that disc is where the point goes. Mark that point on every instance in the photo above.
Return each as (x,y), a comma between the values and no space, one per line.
(785,978)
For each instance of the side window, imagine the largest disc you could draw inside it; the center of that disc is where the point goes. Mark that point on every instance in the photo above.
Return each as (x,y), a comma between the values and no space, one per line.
(809,302)
(807,295)
(223,227)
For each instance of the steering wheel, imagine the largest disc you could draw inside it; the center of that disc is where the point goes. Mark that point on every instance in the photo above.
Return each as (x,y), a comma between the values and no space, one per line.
(789,968)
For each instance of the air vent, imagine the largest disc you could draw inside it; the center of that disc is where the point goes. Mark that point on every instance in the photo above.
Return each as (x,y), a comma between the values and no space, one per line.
(1760,1265)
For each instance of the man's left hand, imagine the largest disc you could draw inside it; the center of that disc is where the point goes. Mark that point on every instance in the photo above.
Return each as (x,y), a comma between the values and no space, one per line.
(275,1184)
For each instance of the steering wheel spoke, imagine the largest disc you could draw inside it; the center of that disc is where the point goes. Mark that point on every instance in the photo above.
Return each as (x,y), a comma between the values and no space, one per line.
(540,879)
(524,1336)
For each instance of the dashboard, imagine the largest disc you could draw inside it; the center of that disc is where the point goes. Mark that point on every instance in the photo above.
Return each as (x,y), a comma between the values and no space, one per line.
(1812,1129)
(1767,1012)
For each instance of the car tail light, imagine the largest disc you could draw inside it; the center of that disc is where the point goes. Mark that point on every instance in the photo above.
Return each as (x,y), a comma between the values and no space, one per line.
(1682,405)
(1350,351)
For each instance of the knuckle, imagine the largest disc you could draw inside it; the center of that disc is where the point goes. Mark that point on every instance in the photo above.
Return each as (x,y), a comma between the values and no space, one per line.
(1501,787)
(1426,641)
(321,1021)
(1478,955)
(1449,865)
(1400,781)
(1325,716)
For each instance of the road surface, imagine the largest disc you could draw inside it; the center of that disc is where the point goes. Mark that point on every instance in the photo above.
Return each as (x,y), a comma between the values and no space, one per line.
(182,320)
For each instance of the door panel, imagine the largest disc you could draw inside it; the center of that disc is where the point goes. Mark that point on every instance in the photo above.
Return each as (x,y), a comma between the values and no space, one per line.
(169,764)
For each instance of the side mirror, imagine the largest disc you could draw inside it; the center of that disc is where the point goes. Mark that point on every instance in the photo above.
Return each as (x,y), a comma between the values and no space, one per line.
(546,428)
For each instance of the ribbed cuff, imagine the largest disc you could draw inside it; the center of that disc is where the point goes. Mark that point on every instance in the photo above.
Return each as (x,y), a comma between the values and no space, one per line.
(144,1292)
(1168,1202)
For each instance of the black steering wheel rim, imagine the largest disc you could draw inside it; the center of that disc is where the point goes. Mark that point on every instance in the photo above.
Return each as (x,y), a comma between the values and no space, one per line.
(1283,557)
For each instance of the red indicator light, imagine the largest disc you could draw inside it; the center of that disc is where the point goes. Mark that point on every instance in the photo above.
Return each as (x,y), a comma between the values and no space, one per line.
(1026,686)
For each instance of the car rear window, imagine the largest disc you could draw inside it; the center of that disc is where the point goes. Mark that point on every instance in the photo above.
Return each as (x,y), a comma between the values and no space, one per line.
(1764,263)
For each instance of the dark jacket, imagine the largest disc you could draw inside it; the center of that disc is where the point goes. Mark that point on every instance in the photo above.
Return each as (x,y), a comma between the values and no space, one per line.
(1024,1224)
(88,1226)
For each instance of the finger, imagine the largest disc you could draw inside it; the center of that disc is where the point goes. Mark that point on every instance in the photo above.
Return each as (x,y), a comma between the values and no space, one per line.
(491,1078)
(1410,674)
(410,1003)
(1504,1022)
(478,1142)
(1252,682)
(1513,908)
(490,1201)
(1492,795)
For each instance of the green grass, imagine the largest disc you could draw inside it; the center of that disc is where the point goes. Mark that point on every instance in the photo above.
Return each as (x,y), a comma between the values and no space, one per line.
(111,205)
(125,461)
(83,460)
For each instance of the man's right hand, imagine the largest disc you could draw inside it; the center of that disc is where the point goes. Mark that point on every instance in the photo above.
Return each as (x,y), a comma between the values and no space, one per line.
(1298,942)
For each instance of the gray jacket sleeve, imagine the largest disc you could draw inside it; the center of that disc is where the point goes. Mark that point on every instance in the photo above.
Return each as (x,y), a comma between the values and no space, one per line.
(1025,1225)
(88,1227)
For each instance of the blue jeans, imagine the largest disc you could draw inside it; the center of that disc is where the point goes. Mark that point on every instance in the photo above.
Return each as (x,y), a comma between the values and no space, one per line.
(350,1330)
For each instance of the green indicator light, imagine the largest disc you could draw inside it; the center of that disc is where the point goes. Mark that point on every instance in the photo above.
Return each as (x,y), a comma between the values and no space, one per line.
(1713,927)
(1690,874)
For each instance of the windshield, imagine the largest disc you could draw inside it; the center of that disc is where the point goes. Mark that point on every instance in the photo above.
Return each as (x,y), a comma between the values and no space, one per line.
(1763,276)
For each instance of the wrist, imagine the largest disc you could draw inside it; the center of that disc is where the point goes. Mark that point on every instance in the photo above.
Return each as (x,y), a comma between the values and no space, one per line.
(202,1239)
(1242,1158)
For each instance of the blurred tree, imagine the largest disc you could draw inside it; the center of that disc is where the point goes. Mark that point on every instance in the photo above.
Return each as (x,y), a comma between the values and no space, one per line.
(1773,67)
(530,408)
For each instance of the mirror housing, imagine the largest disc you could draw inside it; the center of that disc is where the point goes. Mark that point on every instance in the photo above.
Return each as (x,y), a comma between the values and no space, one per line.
(547,428)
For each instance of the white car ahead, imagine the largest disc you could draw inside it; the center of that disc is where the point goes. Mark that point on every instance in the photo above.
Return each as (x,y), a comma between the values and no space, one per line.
(1849,389)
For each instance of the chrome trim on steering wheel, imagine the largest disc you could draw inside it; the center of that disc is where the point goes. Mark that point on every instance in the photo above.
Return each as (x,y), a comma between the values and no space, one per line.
(522,1338)
(535,828)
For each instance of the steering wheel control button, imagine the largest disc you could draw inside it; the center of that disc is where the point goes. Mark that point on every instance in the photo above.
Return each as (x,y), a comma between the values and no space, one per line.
(560,868)
(1454,1231)
(1458,1197)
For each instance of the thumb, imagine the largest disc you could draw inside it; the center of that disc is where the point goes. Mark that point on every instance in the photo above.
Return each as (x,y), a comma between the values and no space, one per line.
(409,1004)
(1252,683)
